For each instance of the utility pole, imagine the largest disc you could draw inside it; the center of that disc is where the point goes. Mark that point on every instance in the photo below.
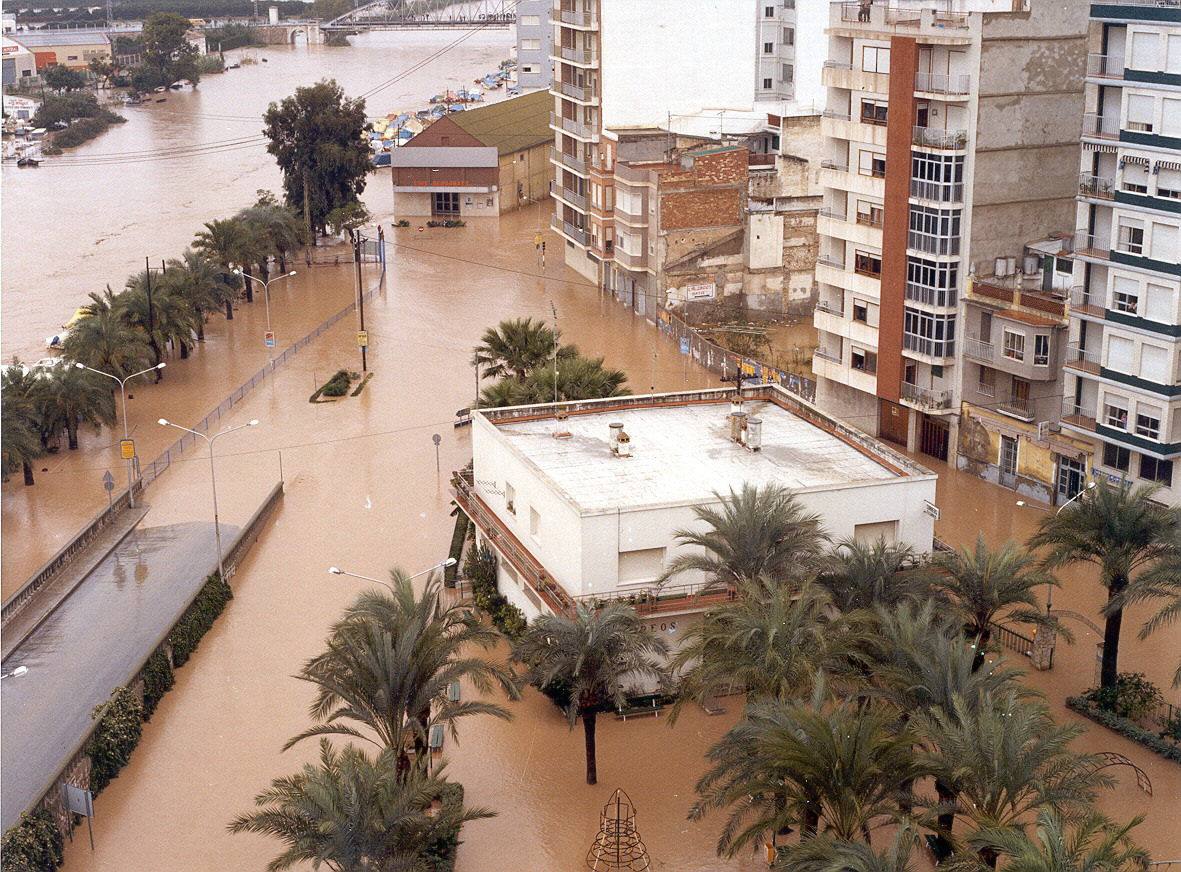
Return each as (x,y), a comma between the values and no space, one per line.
(151,319)
(360,297)
(554,309)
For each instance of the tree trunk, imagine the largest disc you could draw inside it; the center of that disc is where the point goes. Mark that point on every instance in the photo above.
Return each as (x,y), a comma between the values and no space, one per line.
(282,261)
(946,819)
(72,434)
(28,468)
(989,856)
(1109,672)
(307,205)
(184,350)
(158,355)
(809,821)
(588,728)
(201,328)
(982,640)
(229,310)
(249,284)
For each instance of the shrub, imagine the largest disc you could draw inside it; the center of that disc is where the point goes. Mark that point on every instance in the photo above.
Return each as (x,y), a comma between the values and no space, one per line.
(510,620)
(211,63)
(480,569)
(402,222)
(33,845)
(198,618)
(440,844)
(1125,728)
(1132,697)
(158,680)
(82,130)
(1172,729)
(116,733)
(71,107)
(338,385)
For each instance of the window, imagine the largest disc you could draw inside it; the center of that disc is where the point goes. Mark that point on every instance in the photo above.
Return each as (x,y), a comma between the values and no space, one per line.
(860,311)
(862,360)
(870,214)
(937,176)
(766,84)
(789,73)
(1173,53)
(873,112)
(1135,177)
(868,534)
(789,36)
(1160,471)
(1154,364)
(1159,306)
(509,572)
(875,59)
(530,21)
(1125,295)
(1170,117)
(1148,421)
(1131,238)
(530,45)
(768,48)
(510,498)
(933,283)
(986,384)
(534,523)
(1116,456)
(934,231)
(871,164)
(932,335)
(1119,354)
(867,263)
(1041,349)
(1014,345)
(768,11)
(645,564)
(1166,240)
(528,68)
(1140,113)
(1168,181)
(1145,51)
(1115,412)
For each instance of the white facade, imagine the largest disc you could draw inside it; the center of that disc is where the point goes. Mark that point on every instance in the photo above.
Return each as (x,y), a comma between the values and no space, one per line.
(602,526)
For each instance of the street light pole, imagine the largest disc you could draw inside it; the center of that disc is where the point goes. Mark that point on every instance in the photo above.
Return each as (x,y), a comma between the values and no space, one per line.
(212,478)
(266,295)
(123,394)
(1023,504)
(336,570)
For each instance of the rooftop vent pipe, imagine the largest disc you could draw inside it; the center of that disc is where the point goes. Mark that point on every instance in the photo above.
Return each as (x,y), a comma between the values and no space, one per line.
(737,426)
(754,433)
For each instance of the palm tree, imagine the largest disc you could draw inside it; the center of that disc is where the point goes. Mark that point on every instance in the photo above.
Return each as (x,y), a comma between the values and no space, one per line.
(860,576)
(69,397)
(1005,758)
(389,664)
(796,763)
(827,854)
(20,442)
(167,320)
(592,653)
(771,641)
(986,586)
(1160,581)
(283,229)
(232,241)
(1120,530)
(1090,843)
(758,532)
(103,340)
(506,392)
(353,813)
(203,286)
(516,347)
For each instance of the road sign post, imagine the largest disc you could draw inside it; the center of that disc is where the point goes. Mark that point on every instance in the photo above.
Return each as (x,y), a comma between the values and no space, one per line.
(109,486)
(268,339)
(127,449)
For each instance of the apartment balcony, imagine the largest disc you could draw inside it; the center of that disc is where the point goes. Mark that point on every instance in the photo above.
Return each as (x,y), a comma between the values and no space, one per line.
(584,20)
(1089,245)
(854,128)
(1082,359)
(937,192)
(1078,415)
(572,198)
(939,246)
(631,261)
(585,57)
(1100,126)
(861,230)
(577,129)
(932,137)
(1096,187)
(1088,303)
(959,85)
(1017,407)
(934,350)
(574,234)
(579,93)
(830,317)
(665,599)
(633,219)
(925,398)
(943,298)
(835,74)
(978,349)
(569,161)
(1101,66)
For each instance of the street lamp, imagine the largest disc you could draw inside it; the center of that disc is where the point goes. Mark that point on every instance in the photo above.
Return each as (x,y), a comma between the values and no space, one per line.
(266,292)
(212,478)
(336,570)
(1022,504)
(123,394)
(16,673)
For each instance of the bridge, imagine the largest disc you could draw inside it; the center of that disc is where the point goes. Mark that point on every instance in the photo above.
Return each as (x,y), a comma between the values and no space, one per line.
(286,31)
(424,15)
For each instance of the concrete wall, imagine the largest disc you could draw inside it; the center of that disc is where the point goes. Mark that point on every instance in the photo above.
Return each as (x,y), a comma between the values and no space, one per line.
(542,73)
(525,177)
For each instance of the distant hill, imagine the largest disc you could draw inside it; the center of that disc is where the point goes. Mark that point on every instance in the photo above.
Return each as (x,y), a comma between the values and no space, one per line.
(134,10)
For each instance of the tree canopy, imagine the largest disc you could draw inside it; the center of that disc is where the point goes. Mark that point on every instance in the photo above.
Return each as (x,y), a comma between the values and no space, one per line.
(168,55)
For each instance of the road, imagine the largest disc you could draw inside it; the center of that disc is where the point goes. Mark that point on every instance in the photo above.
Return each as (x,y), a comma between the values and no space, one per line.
(93,643)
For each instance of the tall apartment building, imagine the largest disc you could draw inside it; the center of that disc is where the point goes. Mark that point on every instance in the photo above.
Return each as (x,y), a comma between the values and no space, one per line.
(948,142)
(535,42)
(1123,369)
(606,93)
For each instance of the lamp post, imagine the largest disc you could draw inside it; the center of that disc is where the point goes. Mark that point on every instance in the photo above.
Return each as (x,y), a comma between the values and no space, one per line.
(16,673)
(212,478)
(266,292)
(336,570)
(123,395)
(1024,505)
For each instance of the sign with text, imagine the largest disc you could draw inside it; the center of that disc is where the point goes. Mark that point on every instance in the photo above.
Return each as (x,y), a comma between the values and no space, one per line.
(362,338)
(268,339)
(703,291)
(127,449)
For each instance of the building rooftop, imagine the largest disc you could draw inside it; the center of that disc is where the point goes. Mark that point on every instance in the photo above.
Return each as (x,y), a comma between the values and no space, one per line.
(510,125)
(682,451)
(46,38)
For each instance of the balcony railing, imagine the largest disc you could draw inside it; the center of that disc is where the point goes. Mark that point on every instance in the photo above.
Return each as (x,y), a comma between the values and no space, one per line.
(832,307)
(1101,126)
(1105,66)
(931,137)
(1096,186)
(938,348)
(837,65)
(1090,245)
(572,126)
(576,92)
(571,197)
(979,349)
(834,165)
(1080,415)
(664,599)
(578,19)
(569,161)
(628,259)
(1085,359)
(940,192)
(870,219)
(941,83)
(1018,407)
(944,297)
(833,212)
(578,234)
(925,397)
(1082,300)
(826,354)
(937,245)
(580,55)
(830,260)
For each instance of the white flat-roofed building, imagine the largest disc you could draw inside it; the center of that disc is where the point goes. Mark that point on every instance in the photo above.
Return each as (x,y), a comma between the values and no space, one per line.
(571,519)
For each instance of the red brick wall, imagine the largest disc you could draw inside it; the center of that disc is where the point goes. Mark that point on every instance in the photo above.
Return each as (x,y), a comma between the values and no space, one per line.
(453,177)
(444,128)
(708,194)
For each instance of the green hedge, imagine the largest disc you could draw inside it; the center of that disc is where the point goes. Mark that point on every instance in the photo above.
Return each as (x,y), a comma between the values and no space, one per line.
(116,733)
(1125,728)
(33,845)
(158,680)
(480,569)
(198,618)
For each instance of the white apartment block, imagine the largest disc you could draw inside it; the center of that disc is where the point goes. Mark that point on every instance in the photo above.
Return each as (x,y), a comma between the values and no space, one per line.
(1123,368)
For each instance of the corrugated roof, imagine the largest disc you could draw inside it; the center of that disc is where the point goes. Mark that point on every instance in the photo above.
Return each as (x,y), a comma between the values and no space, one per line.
(47,38)
(510,125)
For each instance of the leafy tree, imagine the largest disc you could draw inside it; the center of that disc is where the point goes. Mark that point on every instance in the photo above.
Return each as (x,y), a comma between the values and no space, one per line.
(104,340)
(1090,843)
(62,78)
(861,577)
(347,218)
(20,442)
(791,763)
(389,663)
(167,52)
(317,139)
(758,532)
(280,225)
(516,347)
(592,653)
(70,107)
(69,397)
(356,813)
(986,586)
(1120,530)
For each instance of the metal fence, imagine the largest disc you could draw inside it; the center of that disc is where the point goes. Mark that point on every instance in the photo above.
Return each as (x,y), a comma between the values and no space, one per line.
(149,472)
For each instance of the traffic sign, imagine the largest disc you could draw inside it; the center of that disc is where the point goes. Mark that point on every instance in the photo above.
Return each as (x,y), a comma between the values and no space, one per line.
(127,449)
(108,481)
(268,339)
(363,338)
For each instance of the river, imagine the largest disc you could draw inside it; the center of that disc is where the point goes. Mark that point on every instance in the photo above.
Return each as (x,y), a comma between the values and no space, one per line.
(70,228)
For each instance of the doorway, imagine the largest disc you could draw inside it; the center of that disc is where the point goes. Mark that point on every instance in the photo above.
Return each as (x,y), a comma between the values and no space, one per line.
(445,203)
(1008,461)
(893,422)
(934,437)
(1072,476)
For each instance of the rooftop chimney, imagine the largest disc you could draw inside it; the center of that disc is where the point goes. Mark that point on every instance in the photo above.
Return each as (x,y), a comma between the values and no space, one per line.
(737,426)
(616,429)
(623,447)
(754,433)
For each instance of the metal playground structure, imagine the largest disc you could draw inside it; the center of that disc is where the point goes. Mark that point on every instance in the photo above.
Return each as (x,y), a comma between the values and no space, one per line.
(424,15)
